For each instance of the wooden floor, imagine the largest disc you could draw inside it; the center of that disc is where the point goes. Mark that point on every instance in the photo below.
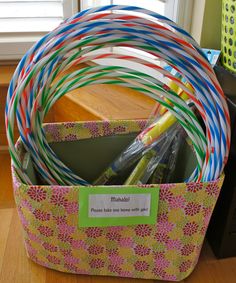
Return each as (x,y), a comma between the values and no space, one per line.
(15,267)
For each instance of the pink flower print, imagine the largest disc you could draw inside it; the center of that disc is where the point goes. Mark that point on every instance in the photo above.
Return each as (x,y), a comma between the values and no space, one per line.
(177,202)
(63,190)
(187,249)
(212,189)
(66,252)
(207,212)
(159,272)
(163,217)
(162,237)
(72,207)
(49,247)
(66,229)
(32,252)
(167,186)
(78,244)
(93,128)
(194,187)
(174,244)
(71,267)
(192,208)
(115,229)
(142,250)
(142,124)
(106,128)
(190,228)
(93,232)
(65,238)
(95,250)
(71,260)
(166,195)
(71,137)
(143,230)
(119,129)
(112,252)
(141,265)
(126,242)
(41,215)
(97,263)
(184,266)
(116,259)
(165,227)
(27,204)
(69,125)
(113,236)
(158,255)
(37,193)
(34,237)
(53,259)
(58,198)
(46,231)
(162,263)
(114,268)
(60,219)
(23,220)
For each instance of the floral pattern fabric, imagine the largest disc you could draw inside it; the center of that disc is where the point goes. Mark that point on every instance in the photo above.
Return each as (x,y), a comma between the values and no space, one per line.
(168,250)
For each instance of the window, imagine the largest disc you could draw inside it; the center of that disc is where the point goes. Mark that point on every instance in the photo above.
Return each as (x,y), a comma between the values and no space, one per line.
(23,22)
(179,11)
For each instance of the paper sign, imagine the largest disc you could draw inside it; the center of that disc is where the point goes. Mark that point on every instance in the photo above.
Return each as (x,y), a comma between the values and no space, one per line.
(102,206)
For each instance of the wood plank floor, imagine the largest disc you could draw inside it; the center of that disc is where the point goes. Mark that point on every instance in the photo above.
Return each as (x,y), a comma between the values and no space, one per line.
(15,267)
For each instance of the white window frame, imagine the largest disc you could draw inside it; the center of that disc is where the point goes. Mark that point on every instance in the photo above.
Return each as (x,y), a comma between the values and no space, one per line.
(14,45)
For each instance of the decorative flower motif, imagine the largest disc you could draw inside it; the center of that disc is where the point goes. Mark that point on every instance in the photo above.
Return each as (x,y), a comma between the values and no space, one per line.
(159,272)
(49,247)
(143,230)
(60,219)
(66,229)
(166,195)
(113,236)
(41,215)
(65,238)
(93,232)
(53,259)
(162,217)
(162,237)
(71,137)
(119,129)
(71,267)
(93,128)
(46,231)
(114,268)
(187,249)
(116,260)
(165,227)
(192,208)
(158,255)
(112,252)
(66,252)
(107,128)
(72,207)
(58,198)
(173,244)
(190,228)
(184,266)
(212,189)
(37,193)
(69,125)
(194,187)
(95,250)
(162,263)
(142,250)
(78,244)
(71,260)
(177,202)
(96,263)
(126,242)
(141,265)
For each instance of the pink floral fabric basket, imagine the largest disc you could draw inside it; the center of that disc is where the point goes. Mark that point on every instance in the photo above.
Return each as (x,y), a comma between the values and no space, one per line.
(168,250)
